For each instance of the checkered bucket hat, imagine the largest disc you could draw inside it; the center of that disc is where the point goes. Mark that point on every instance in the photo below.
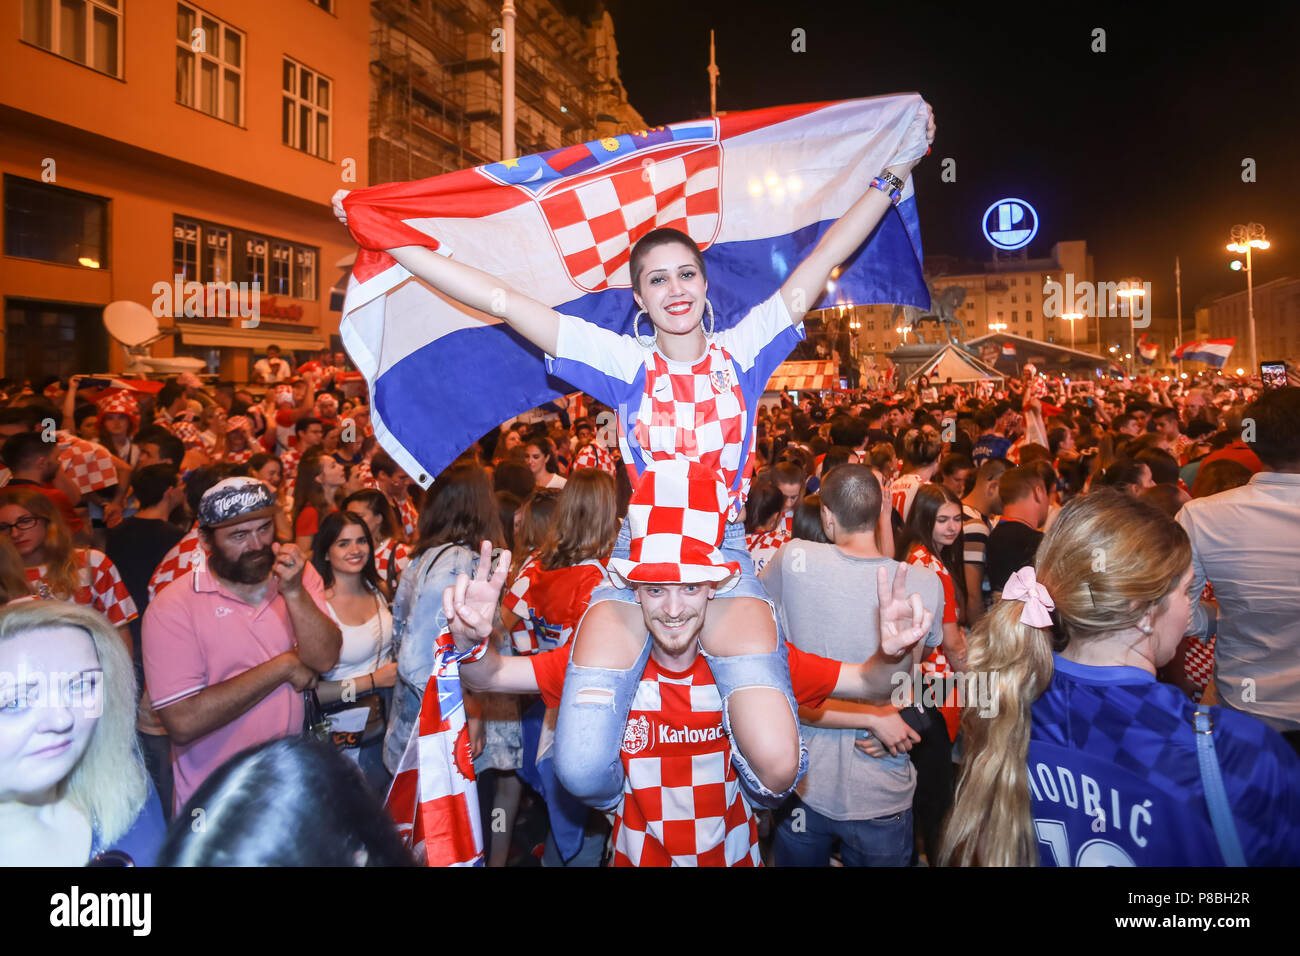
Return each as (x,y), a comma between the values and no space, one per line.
(242,423)
(120,402)
(188,433)
(676,518)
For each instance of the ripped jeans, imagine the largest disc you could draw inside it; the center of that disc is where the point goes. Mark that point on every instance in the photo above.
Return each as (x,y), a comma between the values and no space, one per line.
(594,708)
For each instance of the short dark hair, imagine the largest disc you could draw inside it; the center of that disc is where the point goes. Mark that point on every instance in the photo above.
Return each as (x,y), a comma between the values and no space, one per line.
(151,482)
(170,448)
(1017,484)
(1277,438)
(198,482)
(512,476)
(1164,466)
(952,463)
(169,393)
(848,431)
(22,450)
(305,423)
(787,473)
(24,415)
(381,463)
(291,802)
(852,494)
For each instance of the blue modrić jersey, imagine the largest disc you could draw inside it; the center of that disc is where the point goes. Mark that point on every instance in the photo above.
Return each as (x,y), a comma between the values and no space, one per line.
(1115,781)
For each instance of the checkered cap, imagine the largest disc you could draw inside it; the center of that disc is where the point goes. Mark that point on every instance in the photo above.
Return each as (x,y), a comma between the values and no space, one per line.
(234,499)
(284,394)
(120,402)
(676,518)
(327,406)
(239,423)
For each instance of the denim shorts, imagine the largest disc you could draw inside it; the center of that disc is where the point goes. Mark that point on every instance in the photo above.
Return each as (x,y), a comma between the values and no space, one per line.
(733,549)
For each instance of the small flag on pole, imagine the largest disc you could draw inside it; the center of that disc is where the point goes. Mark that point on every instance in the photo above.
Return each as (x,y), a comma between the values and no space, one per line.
(1210,351)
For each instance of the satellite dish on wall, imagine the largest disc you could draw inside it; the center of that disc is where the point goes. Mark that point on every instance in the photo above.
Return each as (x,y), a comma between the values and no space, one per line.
(136,328)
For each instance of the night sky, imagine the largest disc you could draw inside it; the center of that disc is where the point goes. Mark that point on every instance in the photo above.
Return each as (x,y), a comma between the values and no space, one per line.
(1137,150)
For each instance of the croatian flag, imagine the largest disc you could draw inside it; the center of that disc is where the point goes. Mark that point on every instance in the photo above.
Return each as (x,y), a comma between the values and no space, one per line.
(755,190)
(1147,350)
(434,798)
(1008,350)
(1210,351)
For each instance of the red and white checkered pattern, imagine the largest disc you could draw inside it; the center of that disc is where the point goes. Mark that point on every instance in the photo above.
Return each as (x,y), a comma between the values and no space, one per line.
(237,423)
(388,552)
(100,586)
(682,803)
(410,517)
(696,415)
(120,401)
(763,546)
(1198,664)
(187,432)
(186,555)
(902,492)
(596,221)
(676,519)
(235,457)
(549,604)
(90,466)
(284,394)
(594,455)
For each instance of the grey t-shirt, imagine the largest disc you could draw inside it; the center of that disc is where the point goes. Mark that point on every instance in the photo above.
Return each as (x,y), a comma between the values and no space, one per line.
(827,604)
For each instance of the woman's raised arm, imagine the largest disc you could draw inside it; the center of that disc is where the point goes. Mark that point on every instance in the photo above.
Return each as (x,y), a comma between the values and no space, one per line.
(805,285)
(535,321)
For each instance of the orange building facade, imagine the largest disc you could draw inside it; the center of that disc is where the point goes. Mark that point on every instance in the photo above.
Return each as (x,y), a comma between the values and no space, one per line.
(145,139)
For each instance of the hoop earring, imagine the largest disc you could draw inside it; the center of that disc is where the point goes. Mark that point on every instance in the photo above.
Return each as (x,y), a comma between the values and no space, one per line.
(648,343)
(712,323)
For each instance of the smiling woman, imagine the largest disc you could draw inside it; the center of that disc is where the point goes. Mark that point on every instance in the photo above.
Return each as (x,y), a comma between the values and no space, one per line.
(72,782)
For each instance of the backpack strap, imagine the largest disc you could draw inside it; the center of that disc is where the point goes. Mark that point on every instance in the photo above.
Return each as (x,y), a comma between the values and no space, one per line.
(1225,831)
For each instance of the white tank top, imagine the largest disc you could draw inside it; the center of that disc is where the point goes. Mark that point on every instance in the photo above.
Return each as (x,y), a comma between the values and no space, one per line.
(365,646)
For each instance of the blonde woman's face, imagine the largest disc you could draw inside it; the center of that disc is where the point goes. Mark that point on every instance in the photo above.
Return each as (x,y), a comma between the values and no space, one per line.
(1169,626)
(51,699)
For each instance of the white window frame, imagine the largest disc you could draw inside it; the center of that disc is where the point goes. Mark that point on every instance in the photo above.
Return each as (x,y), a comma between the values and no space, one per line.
(186,48)
(52,10)
(299,103)
(179,226)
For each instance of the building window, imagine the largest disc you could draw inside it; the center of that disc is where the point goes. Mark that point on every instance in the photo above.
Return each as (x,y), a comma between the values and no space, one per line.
(305,111)
(305,274)
(1013,300)
(1015,317)
(88,32)
(185,249)
(1013,282)
(216,255)
(209,65)
(213,253)
(54,224)
(281,256)
(255,260)
(52,338)
(1029,333)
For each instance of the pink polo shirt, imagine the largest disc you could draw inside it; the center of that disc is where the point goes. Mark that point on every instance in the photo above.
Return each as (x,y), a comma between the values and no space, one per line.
(196,634)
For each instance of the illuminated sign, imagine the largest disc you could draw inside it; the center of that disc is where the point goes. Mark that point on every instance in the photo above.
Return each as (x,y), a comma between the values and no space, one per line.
(1010,224)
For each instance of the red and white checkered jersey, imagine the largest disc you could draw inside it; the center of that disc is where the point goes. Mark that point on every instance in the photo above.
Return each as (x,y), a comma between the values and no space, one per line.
(549,604)
(594,455)
(100,586)
(89,465)
(409,516)
(682,803)
(183,557)
(903,490)
(693,411)
(922,557)
(388,552)
(763,546)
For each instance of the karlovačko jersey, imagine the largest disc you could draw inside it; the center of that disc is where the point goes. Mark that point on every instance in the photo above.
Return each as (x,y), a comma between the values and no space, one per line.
(695,411)
(1114,778)
(682,802)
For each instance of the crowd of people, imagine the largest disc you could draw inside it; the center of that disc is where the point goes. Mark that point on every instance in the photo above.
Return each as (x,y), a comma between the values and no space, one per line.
(218,574)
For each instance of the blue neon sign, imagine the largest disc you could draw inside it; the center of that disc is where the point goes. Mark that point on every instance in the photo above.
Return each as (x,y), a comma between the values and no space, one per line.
(1010,224)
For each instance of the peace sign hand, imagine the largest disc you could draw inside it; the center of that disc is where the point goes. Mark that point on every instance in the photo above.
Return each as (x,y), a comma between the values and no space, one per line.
(904,619)
(470,604)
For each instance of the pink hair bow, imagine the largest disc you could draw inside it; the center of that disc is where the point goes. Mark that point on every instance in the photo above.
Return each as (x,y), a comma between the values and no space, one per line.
(1024,586)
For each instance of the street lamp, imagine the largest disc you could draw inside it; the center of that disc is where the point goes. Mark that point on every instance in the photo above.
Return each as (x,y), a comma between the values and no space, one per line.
(997,326)
(1244,239)
(1133,291)
(1072,317)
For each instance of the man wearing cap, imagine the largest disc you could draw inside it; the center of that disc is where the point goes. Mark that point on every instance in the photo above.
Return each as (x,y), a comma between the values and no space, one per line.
(681,802)
(272,369)
(230,648)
